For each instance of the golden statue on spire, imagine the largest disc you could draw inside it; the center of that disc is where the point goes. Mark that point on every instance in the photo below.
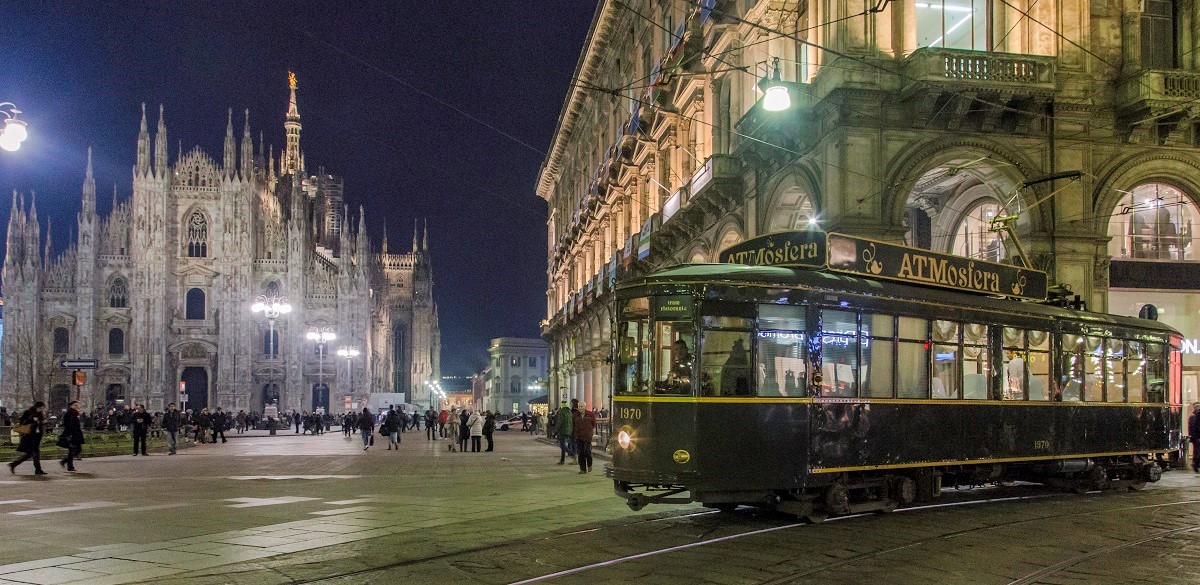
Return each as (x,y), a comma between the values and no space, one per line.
(291,80)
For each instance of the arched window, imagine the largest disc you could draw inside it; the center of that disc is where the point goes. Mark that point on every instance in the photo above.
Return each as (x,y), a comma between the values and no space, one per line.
(195,304)
(974,237)
(197,236)
(271,343)
(62,340)
(118,294)
(272,289)
(116,341)
(1153,222)
(791,210)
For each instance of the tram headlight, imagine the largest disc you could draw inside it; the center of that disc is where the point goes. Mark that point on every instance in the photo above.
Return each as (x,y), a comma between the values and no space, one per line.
(624,440)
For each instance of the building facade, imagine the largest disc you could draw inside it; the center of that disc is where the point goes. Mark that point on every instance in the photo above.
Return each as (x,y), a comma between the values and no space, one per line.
(159,291)
(517,373)
(909,122)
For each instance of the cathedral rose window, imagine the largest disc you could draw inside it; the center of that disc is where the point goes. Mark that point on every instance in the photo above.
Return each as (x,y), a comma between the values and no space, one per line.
(197,236)
(118,294)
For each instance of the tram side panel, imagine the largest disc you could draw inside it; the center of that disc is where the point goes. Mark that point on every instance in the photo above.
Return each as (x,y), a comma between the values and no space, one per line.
(752,446)
(657,431)
(863,436)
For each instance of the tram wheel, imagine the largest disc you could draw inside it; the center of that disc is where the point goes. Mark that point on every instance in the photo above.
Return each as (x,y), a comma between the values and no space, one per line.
(1137,486)
(636,502)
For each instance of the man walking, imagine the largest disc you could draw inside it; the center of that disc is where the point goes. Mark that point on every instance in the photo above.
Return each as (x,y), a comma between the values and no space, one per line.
(1194,436)
(583,424)
(71,437)
(296,421)
(218,424)
(141,427)
(171,422)
(241,421)
(566,439)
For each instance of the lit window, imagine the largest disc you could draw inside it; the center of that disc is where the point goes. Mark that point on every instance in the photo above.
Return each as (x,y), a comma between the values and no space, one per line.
(952,24)
(974,237)
(1153,222)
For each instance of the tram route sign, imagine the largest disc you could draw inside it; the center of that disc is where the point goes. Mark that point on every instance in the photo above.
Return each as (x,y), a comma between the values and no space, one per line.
(872,259)
(798,249)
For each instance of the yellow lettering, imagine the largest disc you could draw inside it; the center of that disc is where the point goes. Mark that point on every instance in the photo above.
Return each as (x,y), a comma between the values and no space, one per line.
(938,271)
(905,267)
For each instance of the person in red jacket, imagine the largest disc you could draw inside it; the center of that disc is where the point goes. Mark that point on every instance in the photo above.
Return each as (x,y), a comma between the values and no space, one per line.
(443,418)
(583,425)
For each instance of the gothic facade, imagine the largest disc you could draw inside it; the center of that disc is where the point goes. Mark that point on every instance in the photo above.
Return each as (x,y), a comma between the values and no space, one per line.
(159,291)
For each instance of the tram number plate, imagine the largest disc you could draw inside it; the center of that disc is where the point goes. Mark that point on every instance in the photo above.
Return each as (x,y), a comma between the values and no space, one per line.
(630,413)
(1042,445)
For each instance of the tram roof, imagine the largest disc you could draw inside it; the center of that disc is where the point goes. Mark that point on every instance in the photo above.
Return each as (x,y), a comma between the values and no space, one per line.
(735,274)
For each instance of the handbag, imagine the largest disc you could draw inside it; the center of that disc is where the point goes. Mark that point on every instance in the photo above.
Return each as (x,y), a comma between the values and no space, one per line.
(23,429)
(64,441)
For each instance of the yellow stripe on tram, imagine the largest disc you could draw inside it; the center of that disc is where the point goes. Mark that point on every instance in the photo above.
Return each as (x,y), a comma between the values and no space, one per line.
(715,399)
(980,461)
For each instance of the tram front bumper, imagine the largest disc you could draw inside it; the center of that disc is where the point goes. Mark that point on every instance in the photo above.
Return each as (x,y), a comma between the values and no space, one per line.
(641,487)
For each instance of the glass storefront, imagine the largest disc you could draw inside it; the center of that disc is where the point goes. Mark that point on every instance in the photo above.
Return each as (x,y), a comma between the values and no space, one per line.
(1179,309)
(1153,222)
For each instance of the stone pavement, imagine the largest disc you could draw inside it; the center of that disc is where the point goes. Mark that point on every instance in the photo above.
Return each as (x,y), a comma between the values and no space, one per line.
(291,509)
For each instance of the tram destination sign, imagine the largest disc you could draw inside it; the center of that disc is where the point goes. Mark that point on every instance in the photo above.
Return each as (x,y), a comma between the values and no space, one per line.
(916,266)
(800,249)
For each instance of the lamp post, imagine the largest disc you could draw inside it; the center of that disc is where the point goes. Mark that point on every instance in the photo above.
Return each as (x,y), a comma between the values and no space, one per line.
(15,131)
(322,337)
(349,353)
(271,307)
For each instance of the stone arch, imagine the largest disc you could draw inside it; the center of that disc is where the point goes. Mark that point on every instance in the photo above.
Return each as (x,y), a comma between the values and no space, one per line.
(118,291)
(991,163)
(195,232)
(1170,168)
(727,235)
(793,201)
(699,253)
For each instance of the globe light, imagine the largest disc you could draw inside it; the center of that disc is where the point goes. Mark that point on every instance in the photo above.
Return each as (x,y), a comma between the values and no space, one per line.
(313,336)
(9,143)
(258,307)
(328,336)
(15,129)
(775,93)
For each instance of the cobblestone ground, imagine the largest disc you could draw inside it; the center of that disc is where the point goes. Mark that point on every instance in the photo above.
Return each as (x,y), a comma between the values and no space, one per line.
(292,509)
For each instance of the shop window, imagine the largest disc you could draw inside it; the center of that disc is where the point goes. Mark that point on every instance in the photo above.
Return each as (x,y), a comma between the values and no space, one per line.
(1153,222)
(953,24)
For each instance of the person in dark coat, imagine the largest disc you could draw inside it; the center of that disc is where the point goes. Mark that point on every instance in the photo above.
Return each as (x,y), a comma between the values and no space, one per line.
(464,431)
(171,423)
(489,427)
(71,437)
(1194,436)
(366,426)
(140,424)
(219,422)
(30,445)
(583,425)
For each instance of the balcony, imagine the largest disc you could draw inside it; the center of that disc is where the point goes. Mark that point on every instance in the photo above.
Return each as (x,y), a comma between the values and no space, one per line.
(714,190)
(1157,89)
(977,90)
(971,69)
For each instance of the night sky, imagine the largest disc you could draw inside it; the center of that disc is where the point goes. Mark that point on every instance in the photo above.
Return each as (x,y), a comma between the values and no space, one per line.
(80,70)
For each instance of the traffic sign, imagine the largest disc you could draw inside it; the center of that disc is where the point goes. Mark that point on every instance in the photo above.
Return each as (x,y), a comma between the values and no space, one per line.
(77,364)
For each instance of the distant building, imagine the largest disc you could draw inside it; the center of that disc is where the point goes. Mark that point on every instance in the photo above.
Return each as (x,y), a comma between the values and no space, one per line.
(518,373)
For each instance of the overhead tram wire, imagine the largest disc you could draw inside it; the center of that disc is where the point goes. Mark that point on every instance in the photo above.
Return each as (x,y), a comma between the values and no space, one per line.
(418,90)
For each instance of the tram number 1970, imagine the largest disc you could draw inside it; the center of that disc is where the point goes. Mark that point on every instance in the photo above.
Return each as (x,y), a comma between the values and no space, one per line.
(630,413)
(1042,445)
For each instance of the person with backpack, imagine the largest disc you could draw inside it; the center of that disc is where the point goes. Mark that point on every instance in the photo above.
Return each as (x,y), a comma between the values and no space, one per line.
(31,426)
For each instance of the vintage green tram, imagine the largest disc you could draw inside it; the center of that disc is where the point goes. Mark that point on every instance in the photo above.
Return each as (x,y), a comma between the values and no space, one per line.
(816,392)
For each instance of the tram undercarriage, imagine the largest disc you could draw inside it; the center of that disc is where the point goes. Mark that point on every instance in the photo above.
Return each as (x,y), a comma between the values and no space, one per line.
(883,491)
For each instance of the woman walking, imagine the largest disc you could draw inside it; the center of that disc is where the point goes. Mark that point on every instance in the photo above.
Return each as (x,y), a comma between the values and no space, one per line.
(476,423)
(489,427)
(33,423)
(453,423)
(71,437)
(366,426)
(464,430)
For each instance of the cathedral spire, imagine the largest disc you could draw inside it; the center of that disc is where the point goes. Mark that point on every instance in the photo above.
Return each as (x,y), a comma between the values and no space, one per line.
(425,237)
(160,145)
(11,255)
(414,235)
(230,147)
(290,162)
(114,203)
(143,147)
(33,232)
(247,149)
(271,164)
(361,235)
(46,250)
(89,187)
(385,242)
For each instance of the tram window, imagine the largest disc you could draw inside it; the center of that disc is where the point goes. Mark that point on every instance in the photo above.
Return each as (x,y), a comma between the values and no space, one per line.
(673,359)
(1156,373)
(945,359)
(1114,367)
(1015,370)
(912,377)
(914,329)
(1038,364)
(839,354)
(977,362)
(1135,371)
(878,345)
(1094,370)
(725,363)
(727,322)
(781,317)
(1072,356)
(781,364)
(633,352)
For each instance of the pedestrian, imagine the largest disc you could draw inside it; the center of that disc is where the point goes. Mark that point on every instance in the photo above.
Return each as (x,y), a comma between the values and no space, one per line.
(464,430)
(489,427)
(392,424)
(583,424)
(366,426)
(1193,429)
(296,421)
(566,438)
(71,437)
(431,424)
(140,424)
(31,426)
(241,421)
(171,423)
(218,425)
(475,421)
(453,424)
(524,421)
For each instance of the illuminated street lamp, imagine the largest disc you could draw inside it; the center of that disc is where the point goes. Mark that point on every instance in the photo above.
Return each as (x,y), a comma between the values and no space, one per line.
(15,131)
(775,92)
(322,337)
(349,353)
(271,307)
